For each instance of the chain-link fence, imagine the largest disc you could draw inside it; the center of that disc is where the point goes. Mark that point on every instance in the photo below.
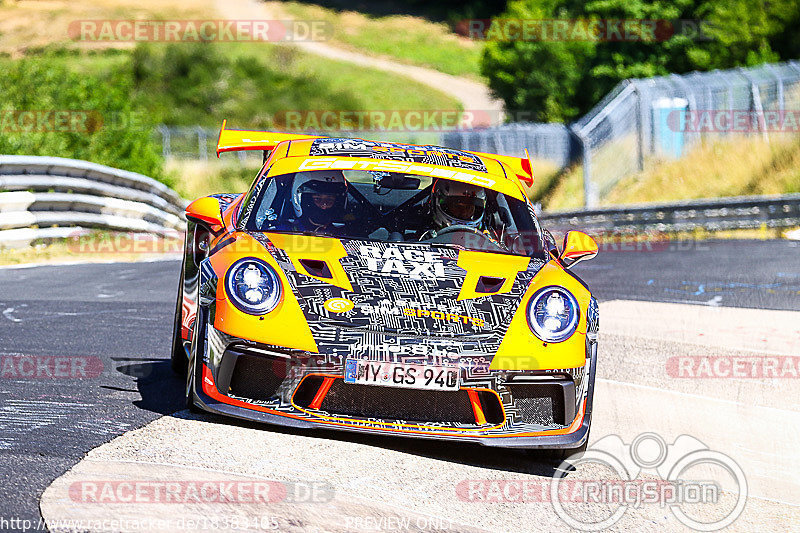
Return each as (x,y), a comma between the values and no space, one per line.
(641,121)
(638,122)
(195,142)
(663,117)
(549,142)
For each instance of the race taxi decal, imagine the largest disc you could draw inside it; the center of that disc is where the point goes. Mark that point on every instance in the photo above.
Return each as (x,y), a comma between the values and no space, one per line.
(432,155)
(410,262)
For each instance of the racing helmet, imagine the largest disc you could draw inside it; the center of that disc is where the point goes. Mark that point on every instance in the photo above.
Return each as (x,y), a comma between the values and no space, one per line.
(455,202)
(320,196)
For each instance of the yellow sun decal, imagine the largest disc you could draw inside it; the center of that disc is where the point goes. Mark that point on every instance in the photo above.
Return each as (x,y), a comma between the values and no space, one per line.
(338,305)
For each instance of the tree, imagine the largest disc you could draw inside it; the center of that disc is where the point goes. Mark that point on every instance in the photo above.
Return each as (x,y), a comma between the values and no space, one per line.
(561,79)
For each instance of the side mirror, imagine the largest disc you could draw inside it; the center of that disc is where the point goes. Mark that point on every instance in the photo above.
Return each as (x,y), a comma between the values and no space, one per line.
(577,247)
(206,210)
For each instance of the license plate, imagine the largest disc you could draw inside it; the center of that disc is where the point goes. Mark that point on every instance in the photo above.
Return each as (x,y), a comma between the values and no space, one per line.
(410,376)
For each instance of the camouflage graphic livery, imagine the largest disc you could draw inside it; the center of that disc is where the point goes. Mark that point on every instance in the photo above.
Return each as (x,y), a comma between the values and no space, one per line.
(344,302)
(433,155)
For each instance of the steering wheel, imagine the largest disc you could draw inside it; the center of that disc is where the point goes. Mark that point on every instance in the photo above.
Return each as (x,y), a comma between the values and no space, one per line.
(451,229)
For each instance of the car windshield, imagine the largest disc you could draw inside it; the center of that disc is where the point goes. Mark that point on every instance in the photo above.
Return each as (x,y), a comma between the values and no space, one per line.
(392,207)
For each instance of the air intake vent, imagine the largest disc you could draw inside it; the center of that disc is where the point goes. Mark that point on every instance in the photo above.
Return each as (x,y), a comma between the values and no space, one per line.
(489,284)
(257,378)
(317,268)
(544,403)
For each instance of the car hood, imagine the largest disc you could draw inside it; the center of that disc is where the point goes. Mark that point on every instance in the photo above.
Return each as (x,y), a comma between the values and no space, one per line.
(347,287)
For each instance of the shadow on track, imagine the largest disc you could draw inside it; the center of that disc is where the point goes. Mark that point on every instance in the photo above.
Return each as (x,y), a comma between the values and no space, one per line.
(456,452)
(161,390)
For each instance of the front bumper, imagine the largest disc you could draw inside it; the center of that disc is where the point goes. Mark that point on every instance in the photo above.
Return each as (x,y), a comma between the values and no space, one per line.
(542,409)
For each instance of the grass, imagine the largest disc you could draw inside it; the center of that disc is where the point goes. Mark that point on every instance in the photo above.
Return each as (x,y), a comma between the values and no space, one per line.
(565,190)
(31,24)
(544,175)
(725,167)
(249,84)
(193,179)
(409,39)
(373,90)
(246,82)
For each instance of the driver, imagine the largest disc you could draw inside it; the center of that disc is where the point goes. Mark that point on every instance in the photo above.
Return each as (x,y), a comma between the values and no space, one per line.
(319,200)
(457,204)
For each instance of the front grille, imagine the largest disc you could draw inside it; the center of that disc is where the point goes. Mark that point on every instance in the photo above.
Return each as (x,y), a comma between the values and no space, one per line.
(394,403)
(368,401)
(256,377)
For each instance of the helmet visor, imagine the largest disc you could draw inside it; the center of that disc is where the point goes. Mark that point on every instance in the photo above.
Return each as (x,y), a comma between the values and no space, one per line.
(467,208)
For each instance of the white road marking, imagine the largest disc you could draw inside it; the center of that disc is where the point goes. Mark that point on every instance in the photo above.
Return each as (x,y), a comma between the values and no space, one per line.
(7,313)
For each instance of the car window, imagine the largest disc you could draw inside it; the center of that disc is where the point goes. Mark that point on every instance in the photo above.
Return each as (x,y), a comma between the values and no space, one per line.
(393,207)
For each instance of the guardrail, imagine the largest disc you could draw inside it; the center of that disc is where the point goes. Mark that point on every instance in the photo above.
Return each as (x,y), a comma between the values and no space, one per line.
(54,197)
(740,212)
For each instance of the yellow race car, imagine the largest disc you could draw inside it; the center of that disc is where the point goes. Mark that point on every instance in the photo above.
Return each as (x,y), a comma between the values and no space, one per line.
(386,288)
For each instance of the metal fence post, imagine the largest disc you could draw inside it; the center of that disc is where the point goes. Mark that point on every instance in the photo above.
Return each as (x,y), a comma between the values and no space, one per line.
(639,127)
(202,144)
(778,89)
(590,197)
(755,103)
(166,148)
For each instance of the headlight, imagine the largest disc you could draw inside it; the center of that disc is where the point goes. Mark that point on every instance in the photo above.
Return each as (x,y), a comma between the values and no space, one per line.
(253,286)
(553,314)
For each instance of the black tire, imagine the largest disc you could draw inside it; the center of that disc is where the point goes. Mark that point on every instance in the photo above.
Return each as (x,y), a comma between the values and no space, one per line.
(178,359)
(190,394)
(191,374)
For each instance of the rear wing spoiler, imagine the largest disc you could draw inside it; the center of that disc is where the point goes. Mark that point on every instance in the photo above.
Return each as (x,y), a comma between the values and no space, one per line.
(239,140)
(520,166)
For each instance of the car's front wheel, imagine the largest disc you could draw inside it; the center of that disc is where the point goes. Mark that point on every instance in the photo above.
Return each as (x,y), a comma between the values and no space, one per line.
(192,372)
(178,359)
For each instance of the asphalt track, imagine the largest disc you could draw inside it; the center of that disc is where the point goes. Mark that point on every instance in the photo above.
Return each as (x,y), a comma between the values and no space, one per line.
(118,317)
